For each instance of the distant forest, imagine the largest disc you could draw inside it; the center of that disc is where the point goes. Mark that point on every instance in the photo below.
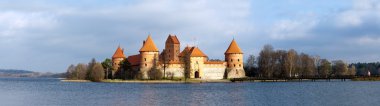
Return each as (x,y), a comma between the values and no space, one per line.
(271,63)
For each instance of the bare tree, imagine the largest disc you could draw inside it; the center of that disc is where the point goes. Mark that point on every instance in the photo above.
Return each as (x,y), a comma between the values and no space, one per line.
(71,73)
(324,68)
(81,71)
(97,73)
(352,70)
(265,61)
(290,62)
(340,68)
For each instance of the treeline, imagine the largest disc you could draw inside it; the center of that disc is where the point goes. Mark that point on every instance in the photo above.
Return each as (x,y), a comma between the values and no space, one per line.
(364,68)
(93,71)
(290,64)
(96,71)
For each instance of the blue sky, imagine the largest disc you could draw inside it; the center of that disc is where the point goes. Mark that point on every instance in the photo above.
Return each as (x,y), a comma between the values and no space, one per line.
(49,35)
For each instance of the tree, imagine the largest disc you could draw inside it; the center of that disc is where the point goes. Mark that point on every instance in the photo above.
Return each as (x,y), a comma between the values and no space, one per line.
(340,68)
(250,66)
(154,73)
(71,73)
(352,70)
(81,71)
(265,61)
(107,65)
(89,67)
(307,64)
(324,68)
(126,71)
(290,62)
(97,73)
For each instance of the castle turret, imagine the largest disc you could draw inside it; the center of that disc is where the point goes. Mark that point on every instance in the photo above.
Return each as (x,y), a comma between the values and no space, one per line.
(117,57)
(149,57)
(172,47)
(234,59)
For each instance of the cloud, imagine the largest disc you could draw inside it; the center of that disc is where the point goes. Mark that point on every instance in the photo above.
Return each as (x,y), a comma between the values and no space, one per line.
(293,29)
(52,34)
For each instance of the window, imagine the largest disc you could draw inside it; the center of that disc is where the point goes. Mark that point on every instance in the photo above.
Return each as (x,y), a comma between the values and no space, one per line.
(234,65)
(145,65)
(145,59)
(239,65)
(238,59)
(231,60)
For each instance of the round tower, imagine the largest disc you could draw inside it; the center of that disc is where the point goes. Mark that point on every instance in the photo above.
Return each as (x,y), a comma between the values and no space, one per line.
(149,57)
(117,57)
(234,59)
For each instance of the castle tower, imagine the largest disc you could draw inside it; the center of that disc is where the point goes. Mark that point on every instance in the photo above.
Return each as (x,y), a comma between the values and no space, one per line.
(117,57)
(172,47)
(196,62)
(234,59)
(149,57)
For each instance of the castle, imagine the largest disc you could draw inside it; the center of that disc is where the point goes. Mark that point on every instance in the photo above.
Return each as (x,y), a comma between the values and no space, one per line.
(191,62)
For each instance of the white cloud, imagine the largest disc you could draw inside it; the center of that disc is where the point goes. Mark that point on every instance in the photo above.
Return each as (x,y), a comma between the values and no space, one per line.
(361,11)
(367,40)
(12,22)
(293,29)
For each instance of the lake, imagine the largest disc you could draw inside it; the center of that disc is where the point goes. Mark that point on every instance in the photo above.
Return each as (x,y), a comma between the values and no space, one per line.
(43,92)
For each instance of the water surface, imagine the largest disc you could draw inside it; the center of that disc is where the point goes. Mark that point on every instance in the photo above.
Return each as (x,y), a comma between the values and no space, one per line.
(42,92)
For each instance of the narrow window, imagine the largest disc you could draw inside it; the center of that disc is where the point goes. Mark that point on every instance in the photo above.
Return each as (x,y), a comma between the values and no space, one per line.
(234,65)
(145,59)
(231,60)
(145,65)
(239,60)
(239,65)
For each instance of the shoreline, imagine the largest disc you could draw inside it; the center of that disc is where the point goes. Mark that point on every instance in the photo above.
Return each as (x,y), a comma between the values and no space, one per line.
(219,80)
(154,81)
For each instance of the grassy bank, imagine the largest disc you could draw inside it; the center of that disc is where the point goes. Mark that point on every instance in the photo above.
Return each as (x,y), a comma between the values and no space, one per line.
(366,79)
(154,81)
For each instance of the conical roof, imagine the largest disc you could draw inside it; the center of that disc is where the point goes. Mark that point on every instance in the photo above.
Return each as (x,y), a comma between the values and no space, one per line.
(196,52)
(233,48)
(118,53)
(149,46)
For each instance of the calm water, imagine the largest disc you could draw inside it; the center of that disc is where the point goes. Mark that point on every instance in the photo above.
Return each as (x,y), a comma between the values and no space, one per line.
(40,92)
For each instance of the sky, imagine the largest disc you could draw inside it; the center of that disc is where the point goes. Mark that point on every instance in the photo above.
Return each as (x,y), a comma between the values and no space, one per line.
(49,35)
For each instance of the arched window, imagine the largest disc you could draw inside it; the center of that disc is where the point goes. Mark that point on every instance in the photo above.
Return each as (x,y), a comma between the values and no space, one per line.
(239,65)
(145,59)
(234,65)
(239,60)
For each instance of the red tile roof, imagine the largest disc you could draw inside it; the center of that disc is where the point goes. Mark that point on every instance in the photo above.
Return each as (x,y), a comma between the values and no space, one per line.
(233,48)
(196,52)
(173,38)
(184,51)
(118,53)
(134,59)
(149,46)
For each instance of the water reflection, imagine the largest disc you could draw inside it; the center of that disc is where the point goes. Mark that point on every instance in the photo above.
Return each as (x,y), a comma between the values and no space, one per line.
(20,92)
